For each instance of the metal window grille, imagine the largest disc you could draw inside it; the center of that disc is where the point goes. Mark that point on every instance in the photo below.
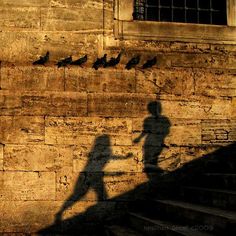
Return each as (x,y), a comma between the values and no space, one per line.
(187,11)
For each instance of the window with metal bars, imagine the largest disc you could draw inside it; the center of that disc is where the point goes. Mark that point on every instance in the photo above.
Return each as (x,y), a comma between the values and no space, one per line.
(186,11)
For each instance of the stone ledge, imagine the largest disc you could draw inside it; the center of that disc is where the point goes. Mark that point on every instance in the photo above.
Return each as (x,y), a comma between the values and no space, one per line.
(146,30)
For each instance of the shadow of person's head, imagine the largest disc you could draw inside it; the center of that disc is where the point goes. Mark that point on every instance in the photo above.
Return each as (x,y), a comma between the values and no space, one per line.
(154,108)
(102,140)
(101,148)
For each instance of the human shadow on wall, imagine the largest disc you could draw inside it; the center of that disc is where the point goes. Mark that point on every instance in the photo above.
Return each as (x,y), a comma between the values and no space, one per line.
(92,175)
(155,129)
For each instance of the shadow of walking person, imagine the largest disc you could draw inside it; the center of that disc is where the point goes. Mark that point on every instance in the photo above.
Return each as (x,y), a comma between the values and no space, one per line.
(155,129)
(92,176)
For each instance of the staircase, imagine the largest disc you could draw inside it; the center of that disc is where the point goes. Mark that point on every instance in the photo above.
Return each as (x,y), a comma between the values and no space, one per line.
(200,201)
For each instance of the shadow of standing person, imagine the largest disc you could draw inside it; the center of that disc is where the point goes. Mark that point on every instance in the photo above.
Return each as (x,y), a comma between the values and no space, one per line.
(155,129)
(92,176)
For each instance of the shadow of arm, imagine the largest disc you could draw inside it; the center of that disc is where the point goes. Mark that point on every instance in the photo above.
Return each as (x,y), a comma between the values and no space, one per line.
(137,140)
(119,157)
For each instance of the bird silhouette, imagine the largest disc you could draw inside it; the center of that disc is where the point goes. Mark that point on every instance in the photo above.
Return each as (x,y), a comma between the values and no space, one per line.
(150,63)
(100,62)
(64,62)
(132,62)
(113,61)
(80,61)
(42,59)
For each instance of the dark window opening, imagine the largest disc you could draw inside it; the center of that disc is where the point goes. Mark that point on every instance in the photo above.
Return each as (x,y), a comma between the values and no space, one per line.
(185,11)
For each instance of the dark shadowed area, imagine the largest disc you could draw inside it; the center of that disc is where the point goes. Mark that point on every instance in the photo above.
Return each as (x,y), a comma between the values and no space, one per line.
(155,200)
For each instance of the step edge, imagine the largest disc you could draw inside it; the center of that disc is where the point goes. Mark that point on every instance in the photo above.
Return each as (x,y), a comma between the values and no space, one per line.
(184,231)
(231,215)
(210,190)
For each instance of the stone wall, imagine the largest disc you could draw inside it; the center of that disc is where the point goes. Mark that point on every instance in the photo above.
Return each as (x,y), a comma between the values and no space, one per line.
(51,118)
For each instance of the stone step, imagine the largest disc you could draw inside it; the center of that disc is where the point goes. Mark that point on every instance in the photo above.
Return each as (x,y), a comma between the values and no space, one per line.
(118,230)
(225,199)
(154,227)
(216,180)
(220,166)
(192,214)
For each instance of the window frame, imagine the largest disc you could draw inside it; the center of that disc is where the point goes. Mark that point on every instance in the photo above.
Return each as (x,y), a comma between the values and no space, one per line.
(127,28)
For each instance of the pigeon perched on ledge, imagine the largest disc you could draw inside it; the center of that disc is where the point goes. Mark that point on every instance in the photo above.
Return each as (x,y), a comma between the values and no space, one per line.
(64,62)
(80,61)
(42,59)
(100,62)
(150,63)
(113,61)
(133,62)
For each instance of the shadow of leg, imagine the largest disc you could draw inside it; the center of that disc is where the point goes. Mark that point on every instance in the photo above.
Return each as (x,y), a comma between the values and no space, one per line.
(79,191)
(100,190)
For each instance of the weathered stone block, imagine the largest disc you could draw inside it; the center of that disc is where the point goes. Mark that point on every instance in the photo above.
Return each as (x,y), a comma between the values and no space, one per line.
(61,104)
(32,216)
(41,78)
(54,3)
(192,153)
(43,103)
(21,129)
(65,183)
(196,106)
(190,47)
(163,81)
(26,216)
(185,132)
(83,130)
(103,80)
(135,105)
(116,185)
(215,83)
(25,3)
(166,158)
(79,186)
(100,210)
(68,138)
(176,131)
(37,157)
(20,18)
(223,48)
(92,124)
(71,19)
(27,185)
(1,157)
(119,104)
(169,159)
(212,61)
(108,18)
(95,4)
(76,79)
(218,132)
(167,47)
(234,108)
(10,103)
(146,46)
(96,212)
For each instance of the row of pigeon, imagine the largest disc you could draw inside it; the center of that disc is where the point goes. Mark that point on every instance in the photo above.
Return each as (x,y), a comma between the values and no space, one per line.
(100,62)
